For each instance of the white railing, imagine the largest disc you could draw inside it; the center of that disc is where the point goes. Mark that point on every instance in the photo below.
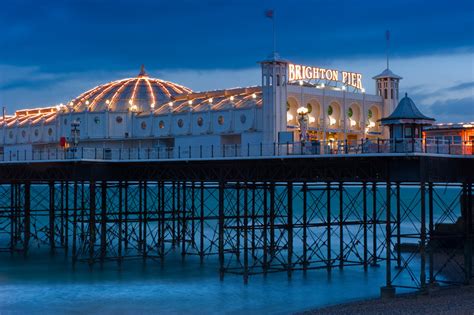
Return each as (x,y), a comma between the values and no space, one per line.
(379,146)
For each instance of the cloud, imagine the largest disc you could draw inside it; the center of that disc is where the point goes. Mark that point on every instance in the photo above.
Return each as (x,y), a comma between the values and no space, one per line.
(453,110)
(79,35)
(462,86)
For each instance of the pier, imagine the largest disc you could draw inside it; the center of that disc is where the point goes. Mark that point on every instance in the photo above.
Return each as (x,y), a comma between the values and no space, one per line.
(255,214)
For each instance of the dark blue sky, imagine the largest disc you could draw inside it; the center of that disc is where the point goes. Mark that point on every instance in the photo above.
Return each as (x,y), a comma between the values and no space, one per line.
(61,38)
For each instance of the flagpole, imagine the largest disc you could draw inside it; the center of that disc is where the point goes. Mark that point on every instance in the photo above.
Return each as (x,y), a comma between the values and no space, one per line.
(274,35)
(387,37)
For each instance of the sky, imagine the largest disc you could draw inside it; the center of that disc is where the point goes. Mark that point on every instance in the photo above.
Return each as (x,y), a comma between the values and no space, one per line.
(52,51)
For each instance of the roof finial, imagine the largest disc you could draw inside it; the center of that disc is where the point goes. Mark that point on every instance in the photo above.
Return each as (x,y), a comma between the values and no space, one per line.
(142,71)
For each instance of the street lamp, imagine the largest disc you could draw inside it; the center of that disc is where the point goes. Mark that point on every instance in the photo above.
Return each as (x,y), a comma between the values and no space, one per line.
(303,120)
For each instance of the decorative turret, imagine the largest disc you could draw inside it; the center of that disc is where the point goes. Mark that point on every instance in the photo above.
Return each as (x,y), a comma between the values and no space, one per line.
(386,86)
(274,78)
(406,121)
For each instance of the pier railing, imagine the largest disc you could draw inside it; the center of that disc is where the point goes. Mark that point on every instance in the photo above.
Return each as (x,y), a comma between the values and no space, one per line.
(310,148)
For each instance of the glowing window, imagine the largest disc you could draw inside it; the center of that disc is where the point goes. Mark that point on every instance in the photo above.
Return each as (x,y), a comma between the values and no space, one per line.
(161,124)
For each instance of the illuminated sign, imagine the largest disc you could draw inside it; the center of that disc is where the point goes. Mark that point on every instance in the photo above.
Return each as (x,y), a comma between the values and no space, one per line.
(299,72)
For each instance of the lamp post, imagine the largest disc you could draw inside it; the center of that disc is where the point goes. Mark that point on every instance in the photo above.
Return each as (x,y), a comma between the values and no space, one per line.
(303,123)
(75,135)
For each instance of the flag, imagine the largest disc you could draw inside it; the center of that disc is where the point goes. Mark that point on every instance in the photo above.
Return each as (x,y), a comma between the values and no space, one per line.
(269,14)
(387,35)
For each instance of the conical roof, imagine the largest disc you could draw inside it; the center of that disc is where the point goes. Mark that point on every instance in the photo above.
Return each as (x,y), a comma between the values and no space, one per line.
(387,73)
(407,110)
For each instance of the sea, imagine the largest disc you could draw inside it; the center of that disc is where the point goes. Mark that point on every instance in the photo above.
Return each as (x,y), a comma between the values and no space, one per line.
(49,284)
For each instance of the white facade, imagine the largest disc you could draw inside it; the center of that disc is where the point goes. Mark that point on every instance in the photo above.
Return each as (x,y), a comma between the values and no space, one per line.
(143,112)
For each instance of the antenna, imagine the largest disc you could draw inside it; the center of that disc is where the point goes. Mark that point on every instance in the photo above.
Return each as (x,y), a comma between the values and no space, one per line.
(387,38)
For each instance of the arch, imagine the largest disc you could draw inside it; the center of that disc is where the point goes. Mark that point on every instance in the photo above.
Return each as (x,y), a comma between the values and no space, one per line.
(334,113)
(374,114)
(354,115)
(314,111)
(292,106)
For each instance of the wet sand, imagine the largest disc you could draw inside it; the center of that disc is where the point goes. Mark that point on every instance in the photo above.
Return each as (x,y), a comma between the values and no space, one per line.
(455,300)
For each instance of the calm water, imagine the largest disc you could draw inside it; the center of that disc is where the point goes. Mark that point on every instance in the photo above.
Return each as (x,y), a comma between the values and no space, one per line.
(49,285)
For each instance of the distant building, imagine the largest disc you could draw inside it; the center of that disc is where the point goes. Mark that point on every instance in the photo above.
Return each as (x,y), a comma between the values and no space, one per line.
(458,137)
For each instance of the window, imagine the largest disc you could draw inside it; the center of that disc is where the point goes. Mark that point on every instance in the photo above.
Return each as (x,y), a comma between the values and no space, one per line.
(23,133)
(408,132)
(457,139)
(278,80)
(220,120)
(200,121)
(350,112)
(10,134)
(143,125)
(161,124)
(50,132)
(36,132)
(97,120)
(309,107)
(65,121)
(243,118)
(369,114)
(119,119)
(330,110)
(180,123)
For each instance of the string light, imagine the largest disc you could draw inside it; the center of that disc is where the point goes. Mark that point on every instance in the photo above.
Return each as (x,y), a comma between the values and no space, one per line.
(151,92)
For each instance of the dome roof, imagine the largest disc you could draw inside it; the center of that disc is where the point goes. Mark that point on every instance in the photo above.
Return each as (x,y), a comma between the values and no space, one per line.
(138,94)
